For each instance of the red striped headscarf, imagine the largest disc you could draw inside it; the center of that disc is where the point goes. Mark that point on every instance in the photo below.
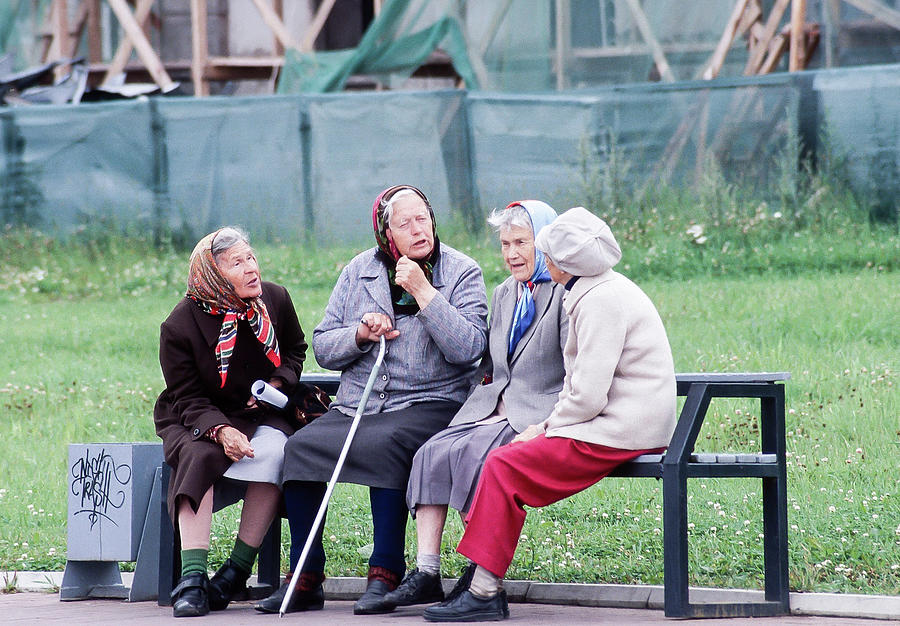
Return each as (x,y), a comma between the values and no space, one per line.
(216,295)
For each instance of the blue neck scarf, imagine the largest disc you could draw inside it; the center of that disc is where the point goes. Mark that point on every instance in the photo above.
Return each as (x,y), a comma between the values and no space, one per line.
(541,215)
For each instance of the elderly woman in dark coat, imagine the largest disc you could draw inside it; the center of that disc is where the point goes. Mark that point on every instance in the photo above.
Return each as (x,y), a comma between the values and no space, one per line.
(230,330)
(523,377)
(428,301)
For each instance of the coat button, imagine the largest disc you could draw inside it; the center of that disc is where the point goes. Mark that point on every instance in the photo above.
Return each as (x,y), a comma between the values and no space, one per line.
(381,395)
(196,432)
(384,377)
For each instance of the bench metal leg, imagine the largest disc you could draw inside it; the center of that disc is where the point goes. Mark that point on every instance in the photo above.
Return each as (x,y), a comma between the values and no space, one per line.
(269,565)
(169,558)
(774,494)
(268,571)
(675,552)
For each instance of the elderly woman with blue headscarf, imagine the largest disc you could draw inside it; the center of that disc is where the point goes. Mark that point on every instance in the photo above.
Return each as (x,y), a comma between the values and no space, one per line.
(523,376)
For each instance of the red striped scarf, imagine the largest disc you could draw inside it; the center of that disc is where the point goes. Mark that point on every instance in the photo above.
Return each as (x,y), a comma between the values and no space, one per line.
(215,295)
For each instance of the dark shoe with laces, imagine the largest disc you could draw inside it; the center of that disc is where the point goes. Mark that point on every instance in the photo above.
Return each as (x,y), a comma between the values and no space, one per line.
(463,583)
(229,582)
(467,607)
(190,597)
(417,588)
(372,602)
(308,595)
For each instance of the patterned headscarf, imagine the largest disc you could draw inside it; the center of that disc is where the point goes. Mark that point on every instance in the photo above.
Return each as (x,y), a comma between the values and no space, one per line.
(215,295)
(403,302)
(541,214)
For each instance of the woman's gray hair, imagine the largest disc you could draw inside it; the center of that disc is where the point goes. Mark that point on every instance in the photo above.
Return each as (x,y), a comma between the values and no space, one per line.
(227,238)
(501,219)
(389,205)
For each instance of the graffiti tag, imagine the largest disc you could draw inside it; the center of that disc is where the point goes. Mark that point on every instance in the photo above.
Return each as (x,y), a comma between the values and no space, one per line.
(97,480)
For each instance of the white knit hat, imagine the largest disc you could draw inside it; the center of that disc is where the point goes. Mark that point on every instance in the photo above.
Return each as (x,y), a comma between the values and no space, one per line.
(579,243)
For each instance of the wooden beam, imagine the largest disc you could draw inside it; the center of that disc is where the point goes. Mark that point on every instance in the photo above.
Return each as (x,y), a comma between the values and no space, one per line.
(315,27)
(656,50)
(563,43)
(718,57)
(199,47)
(76,33)
(493,27)
(797,53)
(278,7)
(879,10)
(758,53)
(270,17)
(95,44)
(143,48)
(831,18)
(776,50)
(123,53)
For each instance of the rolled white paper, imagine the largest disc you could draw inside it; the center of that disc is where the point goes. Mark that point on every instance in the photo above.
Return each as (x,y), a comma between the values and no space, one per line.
(262,390)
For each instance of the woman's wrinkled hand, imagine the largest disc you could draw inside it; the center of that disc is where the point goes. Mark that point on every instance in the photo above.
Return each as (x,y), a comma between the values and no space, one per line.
(529,433)
(411,277)
(374,325)
(235,443)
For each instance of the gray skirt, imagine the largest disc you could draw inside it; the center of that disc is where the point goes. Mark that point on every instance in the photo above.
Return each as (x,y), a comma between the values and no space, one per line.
(382,449)
(446,469)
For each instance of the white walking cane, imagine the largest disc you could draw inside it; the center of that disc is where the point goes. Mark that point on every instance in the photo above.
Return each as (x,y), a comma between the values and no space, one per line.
(334,476)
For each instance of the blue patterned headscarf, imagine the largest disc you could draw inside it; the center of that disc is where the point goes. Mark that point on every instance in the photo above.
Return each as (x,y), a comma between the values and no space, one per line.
(541,215)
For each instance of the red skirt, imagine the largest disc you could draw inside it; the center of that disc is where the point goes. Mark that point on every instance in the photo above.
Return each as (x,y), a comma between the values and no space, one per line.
(534,473)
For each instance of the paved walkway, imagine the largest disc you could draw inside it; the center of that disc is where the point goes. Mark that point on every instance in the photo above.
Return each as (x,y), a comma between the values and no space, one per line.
(23,608)
(533,603)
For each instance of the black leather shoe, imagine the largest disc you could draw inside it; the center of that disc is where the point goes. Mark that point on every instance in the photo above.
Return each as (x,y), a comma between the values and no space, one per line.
(311,599)
(470,608)
(372,601)
(417,588)
(190,596)
(228,582)
(463,583)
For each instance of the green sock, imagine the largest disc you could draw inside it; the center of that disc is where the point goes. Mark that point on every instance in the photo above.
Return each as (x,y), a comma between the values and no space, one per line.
(243,555)
(194,561)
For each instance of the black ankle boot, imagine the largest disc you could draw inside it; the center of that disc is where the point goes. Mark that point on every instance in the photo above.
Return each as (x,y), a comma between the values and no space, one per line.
(372,602)
(190,597)
(228,582)
(308,595)
(417,588)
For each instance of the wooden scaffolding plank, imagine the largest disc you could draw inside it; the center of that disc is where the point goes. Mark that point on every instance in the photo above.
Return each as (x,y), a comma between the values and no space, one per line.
(718,57)
(95,45)
(879,10)
(270,17)
(758,54)
(315,27)
(141,45)
(199,47)
(123,52)
(797,53)
(643,24)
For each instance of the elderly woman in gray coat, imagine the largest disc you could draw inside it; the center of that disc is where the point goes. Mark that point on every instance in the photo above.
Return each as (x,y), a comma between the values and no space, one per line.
(524,375)
(428,301)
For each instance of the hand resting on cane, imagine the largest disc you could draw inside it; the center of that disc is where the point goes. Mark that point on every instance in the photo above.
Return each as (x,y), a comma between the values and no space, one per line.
(374,325)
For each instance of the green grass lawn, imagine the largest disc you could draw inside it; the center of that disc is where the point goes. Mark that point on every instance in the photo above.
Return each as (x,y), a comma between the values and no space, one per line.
(78,363)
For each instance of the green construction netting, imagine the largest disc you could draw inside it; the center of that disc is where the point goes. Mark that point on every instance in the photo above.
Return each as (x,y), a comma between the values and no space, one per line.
(517,45)
(286,166)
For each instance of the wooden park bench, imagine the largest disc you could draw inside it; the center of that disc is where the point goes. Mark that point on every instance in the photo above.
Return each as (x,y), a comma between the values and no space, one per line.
(674,468)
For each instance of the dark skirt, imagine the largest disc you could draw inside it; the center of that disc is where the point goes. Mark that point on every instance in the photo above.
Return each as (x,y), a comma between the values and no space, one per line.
(382,449)
(446,469)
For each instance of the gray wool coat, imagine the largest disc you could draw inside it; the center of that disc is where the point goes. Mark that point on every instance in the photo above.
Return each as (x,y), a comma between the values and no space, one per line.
(531,379)
(436,355)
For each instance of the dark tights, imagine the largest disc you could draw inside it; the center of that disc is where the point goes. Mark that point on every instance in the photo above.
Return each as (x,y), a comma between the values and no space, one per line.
(389,514)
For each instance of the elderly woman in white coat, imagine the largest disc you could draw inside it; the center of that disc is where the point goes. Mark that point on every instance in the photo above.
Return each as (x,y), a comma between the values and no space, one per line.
(523,376)
(428,301)
(617,402)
